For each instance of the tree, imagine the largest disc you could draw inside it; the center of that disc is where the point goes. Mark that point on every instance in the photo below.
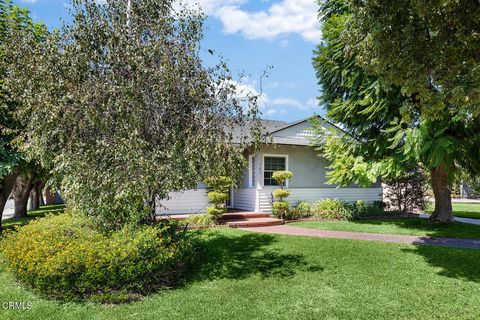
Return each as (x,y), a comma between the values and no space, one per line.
(13,163)
(402,80)
(127,112)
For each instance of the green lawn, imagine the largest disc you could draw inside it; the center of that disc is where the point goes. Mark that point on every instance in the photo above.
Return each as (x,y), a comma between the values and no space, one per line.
(33,214)
(406,226)
(242,275)
(462,209)
(466,210)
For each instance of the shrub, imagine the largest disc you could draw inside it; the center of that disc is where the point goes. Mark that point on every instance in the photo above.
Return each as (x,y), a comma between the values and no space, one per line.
(280,205)
(66,257)
(219,184)
(280,193)
(407,194)
(281,208)
(301,210)
(282,176)
(204,220)
(333,209)
(363,209)
(216,212)
(218,194)
(217,197)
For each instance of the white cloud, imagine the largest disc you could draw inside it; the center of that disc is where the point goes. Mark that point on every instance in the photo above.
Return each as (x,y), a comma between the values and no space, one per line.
(309,104)
(29,1)
(281,18)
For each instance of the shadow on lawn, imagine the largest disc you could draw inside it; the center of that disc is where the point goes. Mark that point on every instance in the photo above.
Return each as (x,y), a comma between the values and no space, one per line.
(11,223)
(430,228)
(240,256)
(454,263)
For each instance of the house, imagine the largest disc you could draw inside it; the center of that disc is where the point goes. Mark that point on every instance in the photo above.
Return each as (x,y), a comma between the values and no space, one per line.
(288,149)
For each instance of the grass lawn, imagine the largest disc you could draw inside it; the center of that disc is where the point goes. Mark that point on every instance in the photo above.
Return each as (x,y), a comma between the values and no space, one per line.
(405,226)
(242,275)
(32,214)
(462,209)
(466,210)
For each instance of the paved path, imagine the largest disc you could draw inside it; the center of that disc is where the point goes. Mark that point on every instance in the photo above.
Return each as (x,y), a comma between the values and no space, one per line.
(8,211)
(299,231)
(458,219)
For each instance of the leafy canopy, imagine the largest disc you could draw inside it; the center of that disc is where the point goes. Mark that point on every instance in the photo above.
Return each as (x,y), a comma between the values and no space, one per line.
(402,79)
(127,112)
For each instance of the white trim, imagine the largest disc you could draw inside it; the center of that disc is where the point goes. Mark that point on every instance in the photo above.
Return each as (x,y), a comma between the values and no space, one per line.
(250,162)
(263,167)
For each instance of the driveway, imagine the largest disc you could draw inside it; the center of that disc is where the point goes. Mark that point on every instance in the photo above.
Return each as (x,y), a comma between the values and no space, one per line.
(8,211)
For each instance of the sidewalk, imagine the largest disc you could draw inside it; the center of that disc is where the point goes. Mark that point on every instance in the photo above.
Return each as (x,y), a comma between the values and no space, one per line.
(425,240)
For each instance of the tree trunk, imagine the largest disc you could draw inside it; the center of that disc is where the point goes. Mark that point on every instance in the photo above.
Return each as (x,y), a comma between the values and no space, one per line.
(443,200)
(6,186)
(36,195)
(34,198)
(21,192)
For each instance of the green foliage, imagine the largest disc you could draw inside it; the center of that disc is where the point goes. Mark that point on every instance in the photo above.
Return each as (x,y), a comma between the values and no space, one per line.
(66,257)
(216,212)
(282,176)
(217,198)
(280,193)
(219,183)
(219,194)
(280,206)
(333,209)
(204,220)
(13,20)
(124,108)
(302,209)
(397,107)
(364,209)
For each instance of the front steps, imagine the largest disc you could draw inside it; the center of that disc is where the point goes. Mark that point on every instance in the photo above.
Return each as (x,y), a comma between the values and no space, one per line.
(250,220)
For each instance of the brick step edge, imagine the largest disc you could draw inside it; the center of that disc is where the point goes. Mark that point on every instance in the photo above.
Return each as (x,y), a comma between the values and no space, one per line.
(252,223)
(237,216)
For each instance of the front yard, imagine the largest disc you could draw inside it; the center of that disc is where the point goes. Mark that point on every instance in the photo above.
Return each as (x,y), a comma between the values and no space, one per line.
(243,275)
(403,226)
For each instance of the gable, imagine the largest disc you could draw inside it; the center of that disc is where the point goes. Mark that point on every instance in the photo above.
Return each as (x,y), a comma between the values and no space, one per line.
(298,133)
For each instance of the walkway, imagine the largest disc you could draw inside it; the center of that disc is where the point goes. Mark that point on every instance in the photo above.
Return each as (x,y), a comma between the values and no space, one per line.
(458,219)
(299,231)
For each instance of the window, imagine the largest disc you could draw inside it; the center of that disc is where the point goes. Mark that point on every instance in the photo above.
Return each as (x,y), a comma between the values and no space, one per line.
(272,164)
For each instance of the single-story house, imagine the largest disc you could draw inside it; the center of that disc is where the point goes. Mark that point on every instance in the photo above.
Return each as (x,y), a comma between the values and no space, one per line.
(288,149)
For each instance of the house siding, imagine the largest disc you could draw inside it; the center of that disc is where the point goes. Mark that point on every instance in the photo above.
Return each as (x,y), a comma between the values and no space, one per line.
(189,201)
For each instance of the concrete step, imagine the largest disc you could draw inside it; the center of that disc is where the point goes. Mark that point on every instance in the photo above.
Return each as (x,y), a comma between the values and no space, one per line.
(254,222)
(244,215)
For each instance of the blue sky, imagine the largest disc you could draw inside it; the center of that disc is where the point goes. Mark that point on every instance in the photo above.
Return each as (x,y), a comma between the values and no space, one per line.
(251,35)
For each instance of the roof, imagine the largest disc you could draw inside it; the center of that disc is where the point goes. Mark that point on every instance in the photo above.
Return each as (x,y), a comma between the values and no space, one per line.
(279,133)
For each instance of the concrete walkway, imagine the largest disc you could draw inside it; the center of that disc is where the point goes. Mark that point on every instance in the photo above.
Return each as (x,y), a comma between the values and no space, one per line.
(299,231)
(458,219)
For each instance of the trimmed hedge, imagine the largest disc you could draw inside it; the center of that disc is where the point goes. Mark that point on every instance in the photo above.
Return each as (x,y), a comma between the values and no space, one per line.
(66,257)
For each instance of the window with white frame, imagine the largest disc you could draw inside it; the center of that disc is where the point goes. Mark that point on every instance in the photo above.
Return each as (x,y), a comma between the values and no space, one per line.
(272,164)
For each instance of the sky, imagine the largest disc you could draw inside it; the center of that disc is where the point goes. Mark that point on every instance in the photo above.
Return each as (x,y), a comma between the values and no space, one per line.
(253,36)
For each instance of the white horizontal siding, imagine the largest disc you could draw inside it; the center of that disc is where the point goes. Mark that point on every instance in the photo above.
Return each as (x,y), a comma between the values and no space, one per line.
(189,201)
(314,194)
(346,194)
(245,199)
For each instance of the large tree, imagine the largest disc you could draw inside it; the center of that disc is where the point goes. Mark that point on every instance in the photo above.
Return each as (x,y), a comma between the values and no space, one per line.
(127,112)
(14,166)
(403,80)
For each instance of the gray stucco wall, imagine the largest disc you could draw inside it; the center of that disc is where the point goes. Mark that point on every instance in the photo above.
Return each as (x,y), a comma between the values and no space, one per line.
(309,170)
